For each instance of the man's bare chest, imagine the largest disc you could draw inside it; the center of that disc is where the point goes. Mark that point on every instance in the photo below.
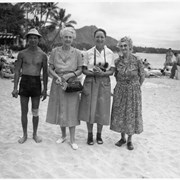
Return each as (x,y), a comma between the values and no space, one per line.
(32,59)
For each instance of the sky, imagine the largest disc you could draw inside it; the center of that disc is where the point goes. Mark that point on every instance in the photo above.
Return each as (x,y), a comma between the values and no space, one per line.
(149,23)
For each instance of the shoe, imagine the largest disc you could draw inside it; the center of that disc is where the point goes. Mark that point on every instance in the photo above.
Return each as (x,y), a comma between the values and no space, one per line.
(61,140)
(120,142)
(130,146)
(74,146)
(99,139)
(90,139)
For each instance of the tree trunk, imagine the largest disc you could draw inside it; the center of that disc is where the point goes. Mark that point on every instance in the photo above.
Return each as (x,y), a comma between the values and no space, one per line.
(52,42)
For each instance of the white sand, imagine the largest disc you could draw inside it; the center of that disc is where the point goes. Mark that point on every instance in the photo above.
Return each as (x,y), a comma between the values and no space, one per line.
(156,153)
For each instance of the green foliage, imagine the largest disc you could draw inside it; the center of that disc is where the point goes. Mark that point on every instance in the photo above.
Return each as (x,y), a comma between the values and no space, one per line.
(46,18)
(16,48)
(11,18)
(59,20)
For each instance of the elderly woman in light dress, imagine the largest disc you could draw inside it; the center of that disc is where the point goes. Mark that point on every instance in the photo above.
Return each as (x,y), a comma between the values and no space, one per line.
(65,62)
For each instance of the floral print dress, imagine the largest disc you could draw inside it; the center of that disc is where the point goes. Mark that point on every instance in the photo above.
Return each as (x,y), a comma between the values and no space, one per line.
(126,114)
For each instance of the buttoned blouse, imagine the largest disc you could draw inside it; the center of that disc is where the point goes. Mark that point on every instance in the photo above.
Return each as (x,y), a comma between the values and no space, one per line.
(130,71)
(63,62)
(106,55)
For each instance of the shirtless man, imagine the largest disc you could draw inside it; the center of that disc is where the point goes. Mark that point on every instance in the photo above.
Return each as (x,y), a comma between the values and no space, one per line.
(29,63)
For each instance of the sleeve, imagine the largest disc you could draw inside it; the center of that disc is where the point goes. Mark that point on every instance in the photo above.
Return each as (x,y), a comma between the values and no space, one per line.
(85,59)
(141,71)
(79,58)
(113,60)
(51,57)
(116,63)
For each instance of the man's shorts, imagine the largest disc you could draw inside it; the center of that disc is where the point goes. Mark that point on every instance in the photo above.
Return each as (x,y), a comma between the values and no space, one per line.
(30,86)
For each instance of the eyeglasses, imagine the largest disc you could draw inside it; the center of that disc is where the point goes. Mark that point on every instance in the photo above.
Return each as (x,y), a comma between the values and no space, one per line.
(125,45)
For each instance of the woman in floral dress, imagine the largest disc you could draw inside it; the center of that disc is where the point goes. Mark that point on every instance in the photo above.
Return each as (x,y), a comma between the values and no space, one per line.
(126,116)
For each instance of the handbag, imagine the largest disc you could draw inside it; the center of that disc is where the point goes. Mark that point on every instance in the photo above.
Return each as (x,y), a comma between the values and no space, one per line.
(70,85)
(74,86)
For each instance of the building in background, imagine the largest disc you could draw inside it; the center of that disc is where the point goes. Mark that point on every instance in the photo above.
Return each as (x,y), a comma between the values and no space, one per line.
(9,39)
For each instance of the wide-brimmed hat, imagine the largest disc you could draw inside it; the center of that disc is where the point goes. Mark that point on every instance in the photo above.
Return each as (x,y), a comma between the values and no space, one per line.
(33,32)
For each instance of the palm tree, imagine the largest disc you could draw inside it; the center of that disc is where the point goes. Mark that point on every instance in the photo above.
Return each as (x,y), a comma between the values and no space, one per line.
(27,7)
(60,20)
(46,17)
(41,12)
(50,9)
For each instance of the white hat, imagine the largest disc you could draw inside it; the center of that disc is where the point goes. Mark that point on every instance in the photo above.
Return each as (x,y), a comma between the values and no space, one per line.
(33,32)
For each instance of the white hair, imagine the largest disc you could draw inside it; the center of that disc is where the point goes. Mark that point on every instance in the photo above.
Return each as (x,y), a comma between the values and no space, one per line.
(68,29)
(128,40)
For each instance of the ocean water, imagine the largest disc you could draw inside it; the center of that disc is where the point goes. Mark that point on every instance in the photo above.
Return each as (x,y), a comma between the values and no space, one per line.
(156,60)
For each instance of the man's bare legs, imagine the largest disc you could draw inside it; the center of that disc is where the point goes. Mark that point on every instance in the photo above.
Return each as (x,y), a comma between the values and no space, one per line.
(35,119)
(24,121)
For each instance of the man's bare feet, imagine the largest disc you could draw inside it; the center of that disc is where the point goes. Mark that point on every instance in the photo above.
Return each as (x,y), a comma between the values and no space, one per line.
(37,139)
(22,140)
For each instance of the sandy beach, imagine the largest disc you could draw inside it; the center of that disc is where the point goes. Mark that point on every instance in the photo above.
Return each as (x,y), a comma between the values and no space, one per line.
(156,153)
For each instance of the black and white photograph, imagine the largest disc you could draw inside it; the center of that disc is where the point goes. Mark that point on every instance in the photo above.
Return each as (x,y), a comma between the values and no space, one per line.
(89,89)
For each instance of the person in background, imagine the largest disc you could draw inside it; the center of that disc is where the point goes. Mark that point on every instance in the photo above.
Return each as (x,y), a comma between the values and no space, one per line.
(96,95)
(146,64)
(1,66)
(126,114)
(30,63)
(175,64)
(65,62)
(169,59)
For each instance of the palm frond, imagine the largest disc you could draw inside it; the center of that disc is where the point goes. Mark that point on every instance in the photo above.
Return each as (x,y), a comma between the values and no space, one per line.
(66,17)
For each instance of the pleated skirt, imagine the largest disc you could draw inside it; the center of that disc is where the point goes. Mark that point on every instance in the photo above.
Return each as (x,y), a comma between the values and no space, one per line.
(95,100)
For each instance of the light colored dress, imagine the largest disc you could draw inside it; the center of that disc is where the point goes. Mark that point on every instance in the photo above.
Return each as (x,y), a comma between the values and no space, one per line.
(62,106)
(126,116)
(96,94)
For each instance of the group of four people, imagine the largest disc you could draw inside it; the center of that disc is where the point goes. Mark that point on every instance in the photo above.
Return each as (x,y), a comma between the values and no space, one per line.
(93,105)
